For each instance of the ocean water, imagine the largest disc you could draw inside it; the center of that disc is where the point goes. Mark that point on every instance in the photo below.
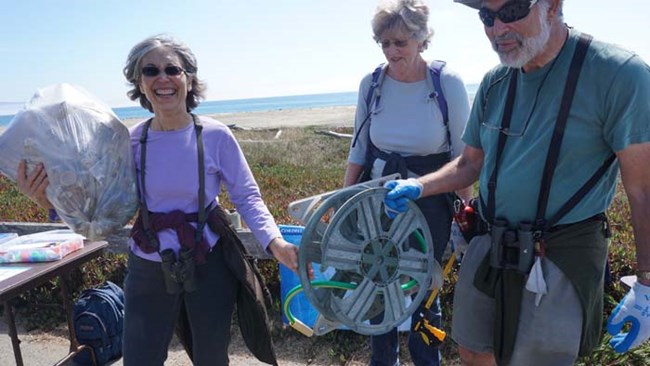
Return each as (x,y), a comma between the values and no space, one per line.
(7,110)
(225,106)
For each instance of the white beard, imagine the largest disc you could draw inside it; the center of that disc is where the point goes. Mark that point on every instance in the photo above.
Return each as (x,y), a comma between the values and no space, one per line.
(528,48)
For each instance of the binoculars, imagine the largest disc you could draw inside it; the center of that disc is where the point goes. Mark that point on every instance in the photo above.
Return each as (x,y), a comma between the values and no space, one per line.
(180,275)
(512,249)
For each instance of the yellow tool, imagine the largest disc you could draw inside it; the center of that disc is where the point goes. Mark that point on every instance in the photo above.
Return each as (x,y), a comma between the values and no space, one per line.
(429,333)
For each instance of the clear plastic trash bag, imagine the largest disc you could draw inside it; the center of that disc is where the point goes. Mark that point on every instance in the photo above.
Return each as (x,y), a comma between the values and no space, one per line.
(87,155)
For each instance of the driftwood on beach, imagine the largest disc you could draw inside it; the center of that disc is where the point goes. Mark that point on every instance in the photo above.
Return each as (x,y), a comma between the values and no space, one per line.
(338,135)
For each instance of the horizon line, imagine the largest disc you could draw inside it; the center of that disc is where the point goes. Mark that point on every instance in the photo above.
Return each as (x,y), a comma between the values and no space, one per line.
(230,99)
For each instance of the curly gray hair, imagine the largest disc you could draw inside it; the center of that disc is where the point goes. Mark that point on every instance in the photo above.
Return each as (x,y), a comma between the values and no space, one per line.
(410,16)
(132,70)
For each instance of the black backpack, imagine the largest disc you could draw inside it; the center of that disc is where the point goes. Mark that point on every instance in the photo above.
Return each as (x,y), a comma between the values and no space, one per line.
(98,322)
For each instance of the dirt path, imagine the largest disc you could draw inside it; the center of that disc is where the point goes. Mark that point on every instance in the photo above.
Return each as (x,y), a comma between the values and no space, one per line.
(46,348)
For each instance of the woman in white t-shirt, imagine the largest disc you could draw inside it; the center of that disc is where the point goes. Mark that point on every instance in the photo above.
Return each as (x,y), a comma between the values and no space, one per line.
(400,127)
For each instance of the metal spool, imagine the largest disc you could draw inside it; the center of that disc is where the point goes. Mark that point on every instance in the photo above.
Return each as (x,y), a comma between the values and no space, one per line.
(378,259)
(316,212)
(311,248)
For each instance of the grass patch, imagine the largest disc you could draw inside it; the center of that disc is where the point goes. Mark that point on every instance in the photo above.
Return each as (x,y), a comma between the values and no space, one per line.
(291,165)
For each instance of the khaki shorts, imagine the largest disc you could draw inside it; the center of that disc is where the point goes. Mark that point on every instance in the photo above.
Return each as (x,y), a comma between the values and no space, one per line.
(548,334)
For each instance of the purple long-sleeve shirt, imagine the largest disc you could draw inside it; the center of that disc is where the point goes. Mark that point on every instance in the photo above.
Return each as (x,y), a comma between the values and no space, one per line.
(172,180)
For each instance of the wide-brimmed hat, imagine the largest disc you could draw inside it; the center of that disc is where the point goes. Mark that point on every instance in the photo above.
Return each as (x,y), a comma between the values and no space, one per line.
(476,4)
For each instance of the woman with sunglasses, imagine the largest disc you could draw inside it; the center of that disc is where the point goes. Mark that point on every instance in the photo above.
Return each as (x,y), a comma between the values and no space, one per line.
(181,162)
(400,127)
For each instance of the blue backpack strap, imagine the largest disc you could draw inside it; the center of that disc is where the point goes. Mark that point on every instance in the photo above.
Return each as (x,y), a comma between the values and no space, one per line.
(435,69)
(371,91)
(373,86)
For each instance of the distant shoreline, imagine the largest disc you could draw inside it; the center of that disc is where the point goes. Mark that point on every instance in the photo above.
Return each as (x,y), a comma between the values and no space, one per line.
(219,107)
(303,117)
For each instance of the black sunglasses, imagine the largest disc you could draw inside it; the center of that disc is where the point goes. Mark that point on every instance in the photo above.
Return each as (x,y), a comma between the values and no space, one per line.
(399,43)
(152,71)
(508,13)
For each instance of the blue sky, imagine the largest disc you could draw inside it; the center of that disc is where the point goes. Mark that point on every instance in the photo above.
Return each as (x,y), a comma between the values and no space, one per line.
(254,48)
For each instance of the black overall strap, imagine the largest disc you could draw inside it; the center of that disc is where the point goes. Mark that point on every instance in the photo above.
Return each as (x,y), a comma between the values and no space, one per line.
(144,210)
(556,143)
(501,143)
(198,128)
(577,197)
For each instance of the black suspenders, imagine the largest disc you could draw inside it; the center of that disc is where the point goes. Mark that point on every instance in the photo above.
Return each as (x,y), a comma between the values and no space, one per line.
(144,211)
(554,149)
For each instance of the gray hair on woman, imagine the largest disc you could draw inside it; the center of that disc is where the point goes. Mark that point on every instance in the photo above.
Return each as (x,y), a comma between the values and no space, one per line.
(409,16)
(133,69)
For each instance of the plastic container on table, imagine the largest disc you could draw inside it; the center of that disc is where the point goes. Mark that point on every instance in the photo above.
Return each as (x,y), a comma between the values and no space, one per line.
(45,246)
(7,236)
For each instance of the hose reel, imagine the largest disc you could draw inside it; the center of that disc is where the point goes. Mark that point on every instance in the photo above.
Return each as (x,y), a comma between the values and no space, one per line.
(374,267)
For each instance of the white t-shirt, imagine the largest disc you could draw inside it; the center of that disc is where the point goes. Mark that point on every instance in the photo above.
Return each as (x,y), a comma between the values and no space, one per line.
(407,120)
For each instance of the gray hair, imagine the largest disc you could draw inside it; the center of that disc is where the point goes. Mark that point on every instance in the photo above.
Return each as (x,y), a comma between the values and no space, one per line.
(133,68)
(410,16)
(546,5)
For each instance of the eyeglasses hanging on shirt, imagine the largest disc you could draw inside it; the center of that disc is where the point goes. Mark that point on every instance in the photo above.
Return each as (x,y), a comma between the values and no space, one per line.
(495,122)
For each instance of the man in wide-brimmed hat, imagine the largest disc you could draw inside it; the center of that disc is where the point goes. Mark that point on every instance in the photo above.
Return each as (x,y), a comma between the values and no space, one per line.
(549,129)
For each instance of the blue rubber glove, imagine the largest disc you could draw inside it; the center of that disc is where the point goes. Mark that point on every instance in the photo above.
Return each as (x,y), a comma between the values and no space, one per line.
(635,309)
(401,192)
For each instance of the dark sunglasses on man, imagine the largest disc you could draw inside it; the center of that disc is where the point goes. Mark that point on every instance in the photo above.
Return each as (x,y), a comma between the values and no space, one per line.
(151,71)
(510,12)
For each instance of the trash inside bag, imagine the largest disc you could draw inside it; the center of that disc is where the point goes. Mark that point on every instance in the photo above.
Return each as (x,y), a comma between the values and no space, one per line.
(86,153)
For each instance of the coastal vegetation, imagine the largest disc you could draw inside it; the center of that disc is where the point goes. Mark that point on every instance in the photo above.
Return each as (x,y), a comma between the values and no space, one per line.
(289,165)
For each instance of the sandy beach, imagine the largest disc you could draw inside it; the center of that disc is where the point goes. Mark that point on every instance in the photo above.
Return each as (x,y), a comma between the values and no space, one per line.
(328,116)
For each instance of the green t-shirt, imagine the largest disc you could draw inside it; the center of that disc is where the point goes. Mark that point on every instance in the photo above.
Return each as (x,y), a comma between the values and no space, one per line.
(610,111)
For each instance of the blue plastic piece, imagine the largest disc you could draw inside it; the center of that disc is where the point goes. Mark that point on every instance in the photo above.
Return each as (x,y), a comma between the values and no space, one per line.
(299,306)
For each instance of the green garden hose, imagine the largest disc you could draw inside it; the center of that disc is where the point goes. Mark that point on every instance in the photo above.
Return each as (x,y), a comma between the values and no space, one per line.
(306,330)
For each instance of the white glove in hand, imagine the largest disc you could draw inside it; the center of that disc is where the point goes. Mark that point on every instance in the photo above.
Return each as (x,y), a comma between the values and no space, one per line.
(635,309)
